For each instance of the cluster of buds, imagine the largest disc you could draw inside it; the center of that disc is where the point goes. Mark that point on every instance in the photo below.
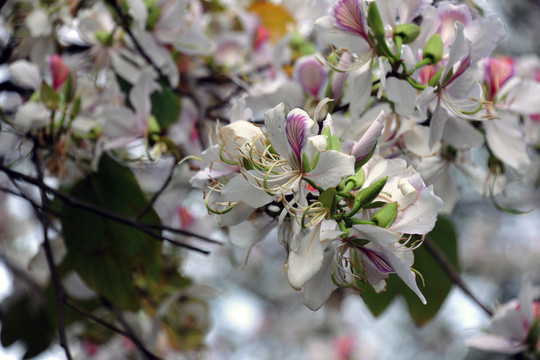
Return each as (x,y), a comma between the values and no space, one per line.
(346,216)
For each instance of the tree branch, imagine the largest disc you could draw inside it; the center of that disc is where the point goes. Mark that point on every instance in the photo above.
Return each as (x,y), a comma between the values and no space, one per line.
(452,273)
(99,211)
(58,289)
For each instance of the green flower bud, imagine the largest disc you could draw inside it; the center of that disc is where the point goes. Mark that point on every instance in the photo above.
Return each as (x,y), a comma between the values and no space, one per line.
(367,195)
(434,49)
(386,215)
(407,32)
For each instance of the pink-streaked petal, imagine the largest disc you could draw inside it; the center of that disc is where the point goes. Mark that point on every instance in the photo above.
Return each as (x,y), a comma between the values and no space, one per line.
(350,18)
(363,147)
(59,71)
(297,128)
(329,123)
(380,263)
(312,75)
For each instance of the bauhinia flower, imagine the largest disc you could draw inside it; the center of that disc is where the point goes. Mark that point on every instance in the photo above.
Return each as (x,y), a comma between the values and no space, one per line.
(514,326)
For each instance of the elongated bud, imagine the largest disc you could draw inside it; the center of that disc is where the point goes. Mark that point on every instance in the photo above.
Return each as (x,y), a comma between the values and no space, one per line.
(434,49)
(375,22)
(407,32)
(386,215)
(367,195)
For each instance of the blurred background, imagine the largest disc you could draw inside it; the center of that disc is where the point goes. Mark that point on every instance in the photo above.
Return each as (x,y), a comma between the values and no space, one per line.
(257,315)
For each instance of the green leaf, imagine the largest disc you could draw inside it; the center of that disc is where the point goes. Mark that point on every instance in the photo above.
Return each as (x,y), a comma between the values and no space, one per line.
(49,96)
(378,303)
(107,254)
(438,284)
(25,320)
(165,107)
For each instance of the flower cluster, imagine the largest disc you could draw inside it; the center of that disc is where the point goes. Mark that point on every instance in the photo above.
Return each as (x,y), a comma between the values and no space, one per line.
(346,215)
(414,96)
(343,127)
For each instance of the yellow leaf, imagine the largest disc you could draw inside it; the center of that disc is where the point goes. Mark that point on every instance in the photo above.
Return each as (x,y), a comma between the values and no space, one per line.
(274,17)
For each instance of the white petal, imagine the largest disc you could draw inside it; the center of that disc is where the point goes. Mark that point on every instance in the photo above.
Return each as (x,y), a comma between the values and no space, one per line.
(495,343)
(358,90)
(507,141)
(364,146)
(306,261)
(331,168)
(375,234)
(462,134)
(320,287)
(436,127)
(239,189)
(31,116)
(402,94)
(139,96)
(274,120)
(25,74)
(402,267)
(420,217)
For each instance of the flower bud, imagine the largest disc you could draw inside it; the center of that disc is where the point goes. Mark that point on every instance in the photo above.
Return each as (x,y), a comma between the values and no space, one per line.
(386,215)
(367,195)
(434,49)
(407,32)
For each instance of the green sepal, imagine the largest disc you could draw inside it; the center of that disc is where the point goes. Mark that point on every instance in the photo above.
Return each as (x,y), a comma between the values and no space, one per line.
(333,142)
(407,32)
(69,88)
(76,109)
(434,81)
(448,77)
(328,200)
(375,22)
(104,37)
(306,164)
(386,215)
(374,205)
(434,49)
(360,242)
(49,96)
(153,125)
(533,334)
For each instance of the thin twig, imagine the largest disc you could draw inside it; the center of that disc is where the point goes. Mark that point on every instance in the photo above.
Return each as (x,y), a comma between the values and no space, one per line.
(127,334)
(129,330)
(99,211)
(182,232)
(58,289)
(452,273)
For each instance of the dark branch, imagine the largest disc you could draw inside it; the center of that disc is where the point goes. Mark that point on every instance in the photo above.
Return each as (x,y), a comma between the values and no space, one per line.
(58,289)
(452,273)
(97,210)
